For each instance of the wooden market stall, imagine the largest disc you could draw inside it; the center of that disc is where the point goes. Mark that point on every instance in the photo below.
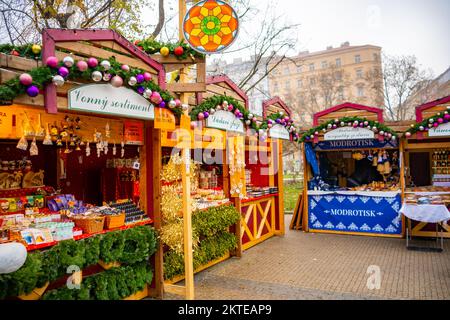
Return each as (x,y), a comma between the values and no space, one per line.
(91,111)
(263,208)
(211,134)
(427,160)
(353,176)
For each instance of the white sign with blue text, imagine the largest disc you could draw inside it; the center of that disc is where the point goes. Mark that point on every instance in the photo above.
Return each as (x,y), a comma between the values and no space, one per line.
(104,98)
(225,120)
(349,133)
(279,132)
(443,130)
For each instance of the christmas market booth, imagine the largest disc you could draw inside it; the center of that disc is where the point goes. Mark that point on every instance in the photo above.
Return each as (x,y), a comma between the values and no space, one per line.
(79,178)
(352,173)
(216,143)
(427,170)
(263,209)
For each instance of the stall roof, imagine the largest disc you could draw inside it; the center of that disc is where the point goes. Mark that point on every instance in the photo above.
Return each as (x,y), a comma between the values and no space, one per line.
(223,85)
(100,43)
(425,110)
(273,103)
(348,109)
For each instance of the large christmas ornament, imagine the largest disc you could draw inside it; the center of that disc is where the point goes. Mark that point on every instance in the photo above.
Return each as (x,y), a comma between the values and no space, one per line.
(82,65)
(132,81)
(147,76)
(164,51)
(12,257)
(63,72)
(92,62)
(68,61)
(96,76)
(32,91)
(125,67)
(172,104)
(210,26)
(116,81)
(106,65)
(147,93)
(26,79)
(178,51)
(58,80)
(140,78)
(52,62)
(36,48)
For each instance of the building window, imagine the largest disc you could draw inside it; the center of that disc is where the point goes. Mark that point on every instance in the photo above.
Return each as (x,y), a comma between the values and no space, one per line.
(311,67)
(357,58)
(341,93)
(375,56)
(338,62)
(312,81)
(287,85)
(286,70)
(324,64)
(359,73)
(360,91)
(338,75)
(299,83)
(299,69)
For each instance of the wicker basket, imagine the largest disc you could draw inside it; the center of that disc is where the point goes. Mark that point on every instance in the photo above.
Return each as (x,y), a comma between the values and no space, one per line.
(115,221)
(90,225)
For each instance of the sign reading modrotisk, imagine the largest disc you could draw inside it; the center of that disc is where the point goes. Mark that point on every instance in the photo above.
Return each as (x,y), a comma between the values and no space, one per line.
(225,120)
(104,98)
(349,133)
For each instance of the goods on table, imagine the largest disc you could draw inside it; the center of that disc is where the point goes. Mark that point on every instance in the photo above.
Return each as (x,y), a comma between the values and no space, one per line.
(205,198)
(129,208)
(253,192)
(377,186)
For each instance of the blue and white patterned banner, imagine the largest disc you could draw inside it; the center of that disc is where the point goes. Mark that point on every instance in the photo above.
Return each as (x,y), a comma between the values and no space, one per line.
(355,213)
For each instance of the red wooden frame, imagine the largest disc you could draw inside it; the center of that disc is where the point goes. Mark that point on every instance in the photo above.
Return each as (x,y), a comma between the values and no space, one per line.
(355,106)
(428,105)
(275,101)
(51,36)
(225,79)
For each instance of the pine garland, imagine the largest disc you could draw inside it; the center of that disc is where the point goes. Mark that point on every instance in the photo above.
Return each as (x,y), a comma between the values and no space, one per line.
(151,46)
(349,122)
(430,122)
(43,75)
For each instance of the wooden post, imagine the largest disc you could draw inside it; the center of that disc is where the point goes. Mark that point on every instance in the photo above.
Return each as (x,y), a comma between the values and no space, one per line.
(238,228)
(401,158)
(279,158)
(305,225)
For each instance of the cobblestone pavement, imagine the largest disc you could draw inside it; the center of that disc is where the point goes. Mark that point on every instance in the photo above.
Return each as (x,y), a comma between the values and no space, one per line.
(324,266)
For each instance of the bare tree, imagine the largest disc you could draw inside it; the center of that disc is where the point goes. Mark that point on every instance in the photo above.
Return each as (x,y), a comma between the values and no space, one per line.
(400,79)
(23,20)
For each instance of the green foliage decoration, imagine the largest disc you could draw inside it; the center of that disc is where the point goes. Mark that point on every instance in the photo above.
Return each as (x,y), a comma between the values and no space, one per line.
(151,46)
(210,221)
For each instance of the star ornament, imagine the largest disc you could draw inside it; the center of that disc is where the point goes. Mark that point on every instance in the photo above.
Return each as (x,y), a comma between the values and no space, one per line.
(210,26)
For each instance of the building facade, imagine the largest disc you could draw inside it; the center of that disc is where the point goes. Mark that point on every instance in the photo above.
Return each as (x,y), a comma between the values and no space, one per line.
(313,81)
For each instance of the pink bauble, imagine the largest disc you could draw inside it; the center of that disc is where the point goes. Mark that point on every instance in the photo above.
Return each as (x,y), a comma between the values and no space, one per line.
(447,117)
(269,125)
(125,67)
(440,120)
(25,79)
(230,107)
(254,119)
(155,97)
(435,124)
(193,124)
(355,125)
(177,103)
(200,116)
(408,134)
(52,62)
(82,65)
(147,76)
(116,81)
(92,62)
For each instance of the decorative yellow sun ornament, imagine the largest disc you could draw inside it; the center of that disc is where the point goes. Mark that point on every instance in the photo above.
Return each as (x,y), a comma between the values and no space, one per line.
(210,26)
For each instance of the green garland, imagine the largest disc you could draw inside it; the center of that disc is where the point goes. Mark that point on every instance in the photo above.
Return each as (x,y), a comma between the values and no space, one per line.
(43,75)
(151,46)
(113,284)
(217,100)
(429,122)
(345,121)
(214,220)
(273,119)
(22,51)
(50,265)
(209,249)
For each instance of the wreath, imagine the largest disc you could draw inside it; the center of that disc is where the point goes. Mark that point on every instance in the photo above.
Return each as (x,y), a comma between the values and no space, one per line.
(111,246)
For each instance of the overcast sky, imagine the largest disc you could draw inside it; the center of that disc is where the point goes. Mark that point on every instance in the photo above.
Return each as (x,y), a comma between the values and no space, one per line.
(419,27)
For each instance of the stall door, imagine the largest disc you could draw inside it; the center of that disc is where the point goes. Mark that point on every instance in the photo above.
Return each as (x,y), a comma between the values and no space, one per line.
(419,163)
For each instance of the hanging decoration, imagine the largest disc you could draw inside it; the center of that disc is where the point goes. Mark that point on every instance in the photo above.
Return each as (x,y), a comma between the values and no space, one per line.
(58,72)
(151,46)
(283,119)
(33,148)
(428,123)
(210,26)
(379,129)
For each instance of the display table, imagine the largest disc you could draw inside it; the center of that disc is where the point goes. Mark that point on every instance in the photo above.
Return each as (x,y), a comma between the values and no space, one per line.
(355,212)
(429,213)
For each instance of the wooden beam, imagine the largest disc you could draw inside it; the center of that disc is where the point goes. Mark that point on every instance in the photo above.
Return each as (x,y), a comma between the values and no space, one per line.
(180,87)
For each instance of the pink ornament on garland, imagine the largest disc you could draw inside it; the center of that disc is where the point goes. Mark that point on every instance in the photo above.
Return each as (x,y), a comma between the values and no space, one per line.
(447,117)
(193,124)
(125,67)
(92,62)
(82,65)
(200,116)
(116,81)
(440,120)
(435,124)
(230,107)
(177,102)
(26,79)
(147,76)
(155,97)
(52,62)
(408,134)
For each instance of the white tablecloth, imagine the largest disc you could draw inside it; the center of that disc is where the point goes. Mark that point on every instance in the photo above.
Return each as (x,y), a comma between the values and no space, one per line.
(388,194)
(430,213)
